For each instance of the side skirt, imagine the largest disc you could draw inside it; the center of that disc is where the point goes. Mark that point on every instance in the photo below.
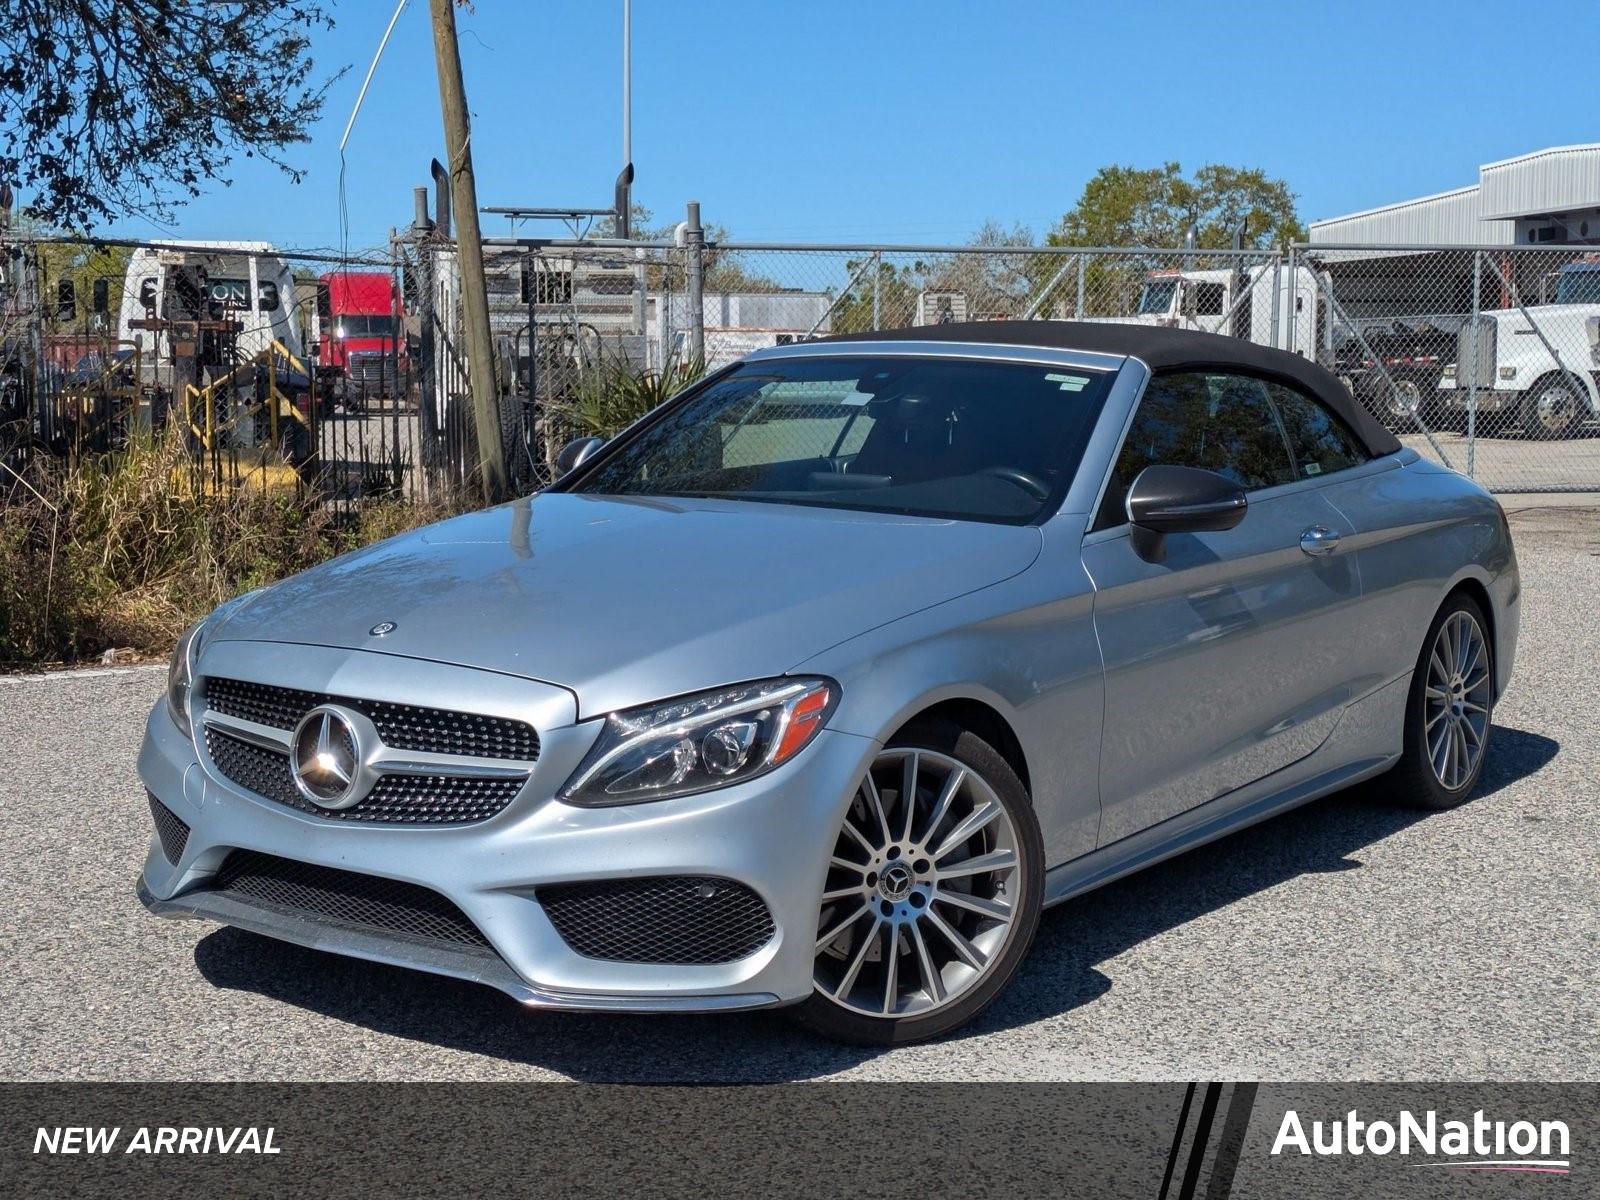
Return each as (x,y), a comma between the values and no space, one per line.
(1206,823)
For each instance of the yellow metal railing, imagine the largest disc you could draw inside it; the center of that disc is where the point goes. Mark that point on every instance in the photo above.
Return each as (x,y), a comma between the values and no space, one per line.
(278,406)
(200,415)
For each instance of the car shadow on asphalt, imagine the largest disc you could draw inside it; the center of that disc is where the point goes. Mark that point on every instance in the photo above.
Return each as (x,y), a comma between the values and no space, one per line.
(1060,975)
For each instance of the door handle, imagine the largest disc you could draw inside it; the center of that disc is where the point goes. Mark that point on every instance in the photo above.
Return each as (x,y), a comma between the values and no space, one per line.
(1319,540)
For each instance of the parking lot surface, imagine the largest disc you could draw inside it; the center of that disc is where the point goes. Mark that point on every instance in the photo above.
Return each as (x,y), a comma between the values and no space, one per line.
(1347,940)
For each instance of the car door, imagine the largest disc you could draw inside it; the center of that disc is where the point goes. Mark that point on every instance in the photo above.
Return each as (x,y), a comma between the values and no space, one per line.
(1222,661)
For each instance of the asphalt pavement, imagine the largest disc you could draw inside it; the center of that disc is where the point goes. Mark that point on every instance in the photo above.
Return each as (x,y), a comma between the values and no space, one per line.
(1349,940)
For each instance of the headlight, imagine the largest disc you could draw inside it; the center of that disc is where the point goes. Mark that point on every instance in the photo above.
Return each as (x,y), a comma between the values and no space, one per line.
(696,743)
(180,675)
(180,671)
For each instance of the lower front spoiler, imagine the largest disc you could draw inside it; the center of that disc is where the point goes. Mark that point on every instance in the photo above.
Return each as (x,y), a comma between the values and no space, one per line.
(476,966)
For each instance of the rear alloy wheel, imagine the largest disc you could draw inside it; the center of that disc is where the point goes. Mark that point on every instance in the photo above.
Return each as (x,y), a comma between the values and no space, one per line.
(1450,709)
(1551,409)
(932,896)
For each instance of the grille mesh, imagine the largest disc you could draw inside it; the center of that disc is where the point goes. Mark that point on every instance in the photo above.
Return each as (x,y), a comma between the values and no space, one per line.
(170,830)
(355,901)
(399,799)
(401,726)
(680,919)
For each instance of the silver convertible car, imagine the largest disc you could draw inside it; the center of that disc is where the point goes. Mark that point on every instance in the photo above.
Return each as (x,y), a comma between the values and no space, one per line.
(816,685)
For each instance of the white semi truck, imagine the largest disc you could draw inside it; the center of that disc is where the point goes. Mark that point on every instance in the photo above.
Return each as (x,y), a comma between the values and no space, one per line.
(1534,366)
(249,281)
(1271,305)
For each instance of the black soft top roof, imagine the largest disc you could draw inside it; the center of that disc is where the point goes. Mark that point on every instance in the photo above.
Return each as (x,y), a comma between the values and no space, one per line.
(1160,349)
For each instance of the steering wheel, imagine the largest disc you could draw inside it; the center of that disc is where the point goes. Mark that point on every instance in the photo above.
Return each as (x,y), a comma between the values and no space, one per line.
(1027,481)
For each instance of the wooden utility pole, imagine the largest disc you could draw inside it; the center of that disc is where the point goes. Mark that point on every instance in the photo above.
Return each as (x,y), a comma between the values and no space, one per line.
(469,252)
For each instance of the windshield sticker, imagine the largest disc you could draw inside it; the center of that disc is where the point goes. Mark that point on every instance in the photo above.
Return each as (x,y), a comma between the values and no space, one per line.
(855,397)
(1070,383)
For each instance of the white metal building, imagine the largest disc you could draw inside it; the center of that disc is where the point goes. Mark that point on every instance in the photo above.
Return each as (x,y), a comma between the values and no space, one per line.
(1547,197)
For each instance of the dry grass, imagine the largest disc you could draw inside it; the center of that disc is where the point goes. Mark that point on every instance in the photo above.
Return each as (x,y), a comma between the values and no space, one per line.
(120,553)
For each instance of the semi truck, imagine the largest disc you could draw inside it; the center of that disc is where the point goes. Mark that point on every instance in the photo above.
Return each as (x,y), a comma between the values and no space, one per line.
(1533,366)
(1268,304)
(245,281)
(361,353)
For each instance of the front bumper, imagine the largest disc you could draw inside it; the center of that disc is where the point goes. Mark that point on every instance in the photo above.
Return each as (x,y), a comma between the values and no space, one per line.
(773,835)
(1489,399)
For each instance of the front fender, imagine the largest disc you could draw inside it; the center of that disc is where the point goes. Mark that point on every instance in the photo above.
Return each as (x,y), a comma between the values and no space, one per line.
(1026,648)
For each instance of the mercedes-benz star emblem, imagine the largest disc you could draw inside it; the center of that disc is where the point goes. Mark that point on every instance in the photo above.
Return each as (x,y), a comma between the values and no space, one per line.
(382,629)
(895,882)
(325,758)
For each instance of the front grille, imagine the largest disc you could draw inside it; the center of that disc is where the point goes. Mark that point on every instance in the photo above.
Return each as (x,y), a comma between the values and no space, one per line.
(170,830)
(369,368)
(680,919)
(367,903)
(401,726)
(397,799)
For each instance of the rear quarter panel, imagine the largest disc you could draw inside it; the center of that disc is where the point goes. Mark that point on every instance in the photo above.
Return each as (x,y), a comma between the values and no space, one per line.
(1420,531)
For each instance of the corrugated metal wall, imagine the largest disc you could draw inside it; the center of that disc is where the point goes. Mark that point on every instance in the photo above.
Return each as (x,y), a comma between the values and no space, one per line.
(1547,181)
(1448,219)
(1564,179)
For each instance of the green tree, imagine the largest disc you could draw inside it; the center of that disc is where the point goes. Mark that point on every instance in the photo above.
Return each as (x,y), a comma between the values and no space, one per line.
(82,263)
(1157,206)
(898,286)
(117,107)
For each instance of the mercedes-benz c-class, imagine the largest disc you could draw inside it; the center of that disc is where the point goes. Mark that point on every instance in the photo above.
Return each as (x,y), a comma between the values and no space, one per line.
(817,684)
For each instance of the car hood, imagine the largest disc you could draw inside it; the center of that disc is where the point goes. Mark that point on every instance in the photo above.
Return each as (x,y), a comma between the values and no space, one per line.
(629,600)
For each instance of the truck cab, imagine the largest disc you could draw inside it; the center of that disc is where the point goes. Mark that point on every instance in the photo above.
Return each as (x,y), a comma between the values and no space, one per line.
(1265,304)
(1534,366)
(362,346)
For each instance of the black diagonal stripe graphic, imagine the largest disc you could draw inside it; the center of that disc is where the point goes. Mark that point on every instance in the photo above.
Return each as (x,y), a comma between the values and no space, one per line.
(1240,1105)
(1202,1136)
(1177,1141)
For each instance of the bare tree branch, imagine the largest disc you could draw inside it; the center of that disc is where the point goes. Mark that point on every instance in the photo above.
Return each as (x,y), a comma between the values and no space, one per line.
(112,108)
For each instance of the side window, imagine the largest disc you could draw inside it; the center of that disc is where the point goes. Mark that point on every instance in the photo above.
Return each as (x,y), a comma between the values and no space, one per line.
(1319,441)
(1216,422)
(267,296)
(1208,299)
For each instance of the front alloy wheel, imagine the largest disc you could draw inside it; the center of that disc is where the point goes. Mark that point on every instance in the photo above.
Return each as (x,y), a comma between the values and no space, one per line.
(932,894)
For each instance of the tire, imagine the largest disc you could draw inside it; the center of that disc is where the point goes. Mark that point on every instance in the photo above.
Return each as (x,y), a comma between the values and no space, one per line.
(1400,407)
(1551,409)
(1417,780)
(921,893)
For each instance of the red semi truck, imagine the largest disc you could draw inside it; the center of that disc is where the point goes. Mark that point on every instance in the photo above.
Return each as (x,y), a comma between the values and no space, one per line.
(362,354)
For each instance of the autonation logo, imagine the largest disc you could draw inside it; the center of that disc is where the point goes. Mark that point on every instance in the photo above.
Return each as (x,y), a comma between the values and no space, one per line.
(1480,1144)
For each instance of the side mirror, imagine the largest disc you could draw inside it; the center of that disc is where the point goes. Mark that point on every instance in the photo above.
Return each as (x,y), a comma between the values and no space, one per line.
(1168,499)
(577,452)
(101,296)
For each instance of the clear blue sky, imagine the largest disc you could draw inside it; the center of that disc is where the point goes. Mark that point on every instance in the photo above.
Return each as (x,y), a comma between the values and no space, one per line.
(917,121)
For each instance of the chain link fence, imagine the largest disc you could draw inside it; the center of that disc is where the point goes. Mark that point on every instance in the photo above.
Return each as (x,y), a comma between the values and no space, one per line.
(1486,360)
(346,378)
(278,370)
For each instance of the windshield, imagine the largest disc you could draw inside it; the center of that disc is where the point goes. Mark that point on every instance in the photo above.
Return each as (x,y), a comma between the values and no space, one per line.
(1157,296)
(932,437)
(360,325)
(1580,286)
